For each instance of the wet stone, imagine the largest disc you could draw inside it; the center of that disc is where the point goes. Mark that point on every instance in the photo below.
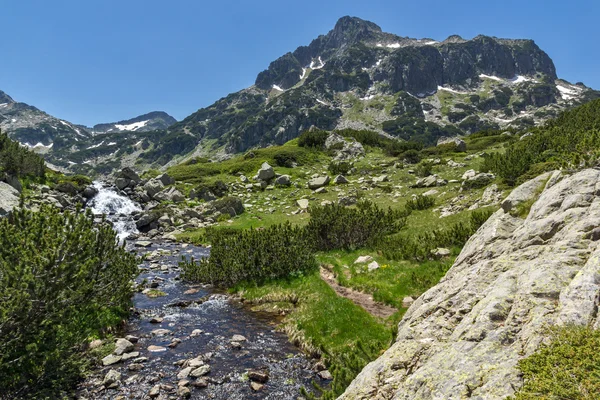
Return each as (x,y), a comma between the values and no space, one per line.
(325,375)
(156,349)
(238,338)
(200,371)
(184,373)
(258,376)
(111,359)
(200,383)
(135,367)
(128,356)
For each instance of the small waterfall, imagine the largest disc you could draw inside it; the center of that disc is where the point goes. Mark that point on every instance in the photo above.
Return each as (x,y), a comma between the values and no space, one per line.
(118,209)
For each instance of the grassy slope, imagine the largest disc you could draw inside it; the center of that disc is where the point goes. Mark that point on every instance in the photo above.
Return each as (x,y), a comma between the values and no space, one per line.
(315,317)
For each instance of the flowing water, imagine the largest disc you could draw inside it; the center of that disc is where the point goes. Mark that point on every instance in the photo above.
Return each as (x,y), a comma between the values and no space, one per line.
(196,321)
(118,209)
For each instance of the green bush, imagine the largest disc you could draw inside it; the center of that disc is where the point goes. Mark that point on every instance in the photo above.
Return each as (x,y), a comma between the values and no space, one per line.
(63,280)
(338,227)
(286,158)
(420,202)
(339,167)
(313,138)
(424,169)
(18,161)
(410,156)
(567,368)
(251,256)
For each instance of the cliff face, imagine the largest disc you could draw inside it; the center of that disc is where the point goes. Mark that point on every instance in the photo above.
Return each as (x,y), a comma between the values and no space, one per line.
(514,278)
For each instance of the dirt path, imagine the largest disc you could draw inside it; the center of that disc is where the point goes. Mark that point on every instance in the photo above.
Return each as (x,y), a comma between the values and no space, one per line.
(361,299)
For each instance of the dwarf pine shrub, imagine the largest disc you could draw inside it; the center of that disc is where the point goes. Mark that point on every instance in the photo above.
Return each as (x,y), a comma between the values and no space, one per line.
(63,280)
(337,227)
(420,202)
(252,255)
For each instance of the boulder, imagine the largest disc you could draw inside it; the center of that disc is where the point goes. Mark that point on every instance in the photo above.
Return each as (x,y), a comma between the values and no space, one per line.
(340,180)
(347,200)
(373,265)
(430,181)
(363,260)
(302,203)
(152,187)
(89,192)
(283,180)
(111,377)
(461,145)
(123,346)
(230,205)
(258,376)
(165,179)
(380,179)
(170,194)
(480,180)
(122,183)
(111,359)
(13,181)
(146,220)
(200,371)
(9,198)
(407,301)
(345,148)
(491,195)
(440,252)
(454,164)
(468,174)
(265,172)
(513,279)
(318,182)
(130,174)
(203,194)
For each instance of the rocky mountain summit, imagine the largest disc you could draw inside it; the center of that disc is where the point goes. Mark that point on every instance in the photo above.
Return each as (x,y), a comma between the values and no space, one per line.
(524,271)
(357,76)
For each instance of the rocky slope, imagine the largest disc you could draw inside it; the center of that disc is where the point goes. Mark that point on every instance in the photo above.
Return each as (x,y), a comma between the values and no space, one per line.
(77,148)
(144,123)
(514,278)
(358,76)
(36,129)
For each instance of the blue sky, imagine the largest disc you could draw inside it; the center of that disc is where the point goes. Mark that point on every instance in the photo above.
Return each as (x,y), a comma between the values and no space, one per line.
(91,61)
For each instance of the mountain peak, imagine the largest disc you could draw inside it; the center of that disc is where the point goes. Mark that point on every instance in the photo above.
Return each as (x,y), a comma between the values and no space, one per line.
(5,99)
(350,25)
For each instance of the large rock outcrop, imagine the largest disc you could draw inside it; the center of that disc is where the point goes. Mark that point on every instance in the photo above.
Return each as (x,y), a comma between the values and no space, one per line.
(514,278)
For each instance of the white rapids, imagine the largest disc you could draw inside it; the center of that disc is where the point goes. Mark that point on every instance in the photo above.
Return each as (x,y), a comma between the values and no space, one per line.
(118,210)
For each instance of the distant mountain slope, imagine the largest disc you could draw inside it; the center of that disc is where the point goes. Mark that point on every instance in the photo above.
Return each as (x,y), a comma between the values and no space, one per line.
(78,148)
(144,123)
(358,76)
(36,129)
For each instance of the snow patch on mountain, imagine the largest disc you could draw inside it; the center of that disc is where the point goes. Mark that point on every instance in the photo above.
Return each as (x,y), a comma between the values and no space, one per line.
(131,127)
(96,145)
(495,78)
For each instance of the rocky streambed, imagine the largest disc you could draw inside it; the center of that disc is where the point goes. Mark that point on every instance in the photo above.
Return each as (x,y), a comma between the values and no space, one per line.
(190,341)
